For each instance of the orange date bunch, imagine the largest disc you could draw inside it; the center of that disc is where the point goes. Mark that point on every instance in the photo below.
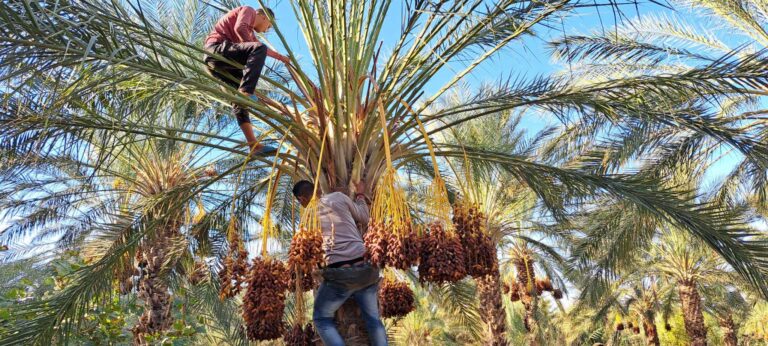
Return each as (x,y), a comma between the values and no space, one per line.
(264,299)
(233,273)
(403,248)
(300,336)
(513,291)
(306,251)
(479,249)
(306,281)
(391,239)
(442,257)
(396,298)
(545,285)
(394,249)
(376,241)
(542,285)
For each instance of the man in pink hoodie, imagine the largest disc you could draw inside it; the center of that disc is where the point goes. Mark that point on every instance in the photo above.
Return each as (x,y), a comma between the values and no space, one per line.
(232,38)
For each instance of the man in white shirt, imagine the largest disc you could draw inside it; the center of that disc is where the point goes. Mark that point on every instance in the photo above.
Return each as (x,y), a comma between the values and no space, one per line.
(346,274)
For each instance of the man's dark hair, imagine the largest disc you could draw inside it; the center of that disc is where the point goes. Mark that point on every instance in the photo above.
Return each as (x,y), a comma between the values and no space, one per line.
(267,10)
(303,188)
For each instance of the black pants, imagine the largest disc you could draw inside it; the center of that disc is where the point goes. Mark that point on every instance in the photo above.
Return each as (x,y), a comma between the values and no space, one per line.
(250,54)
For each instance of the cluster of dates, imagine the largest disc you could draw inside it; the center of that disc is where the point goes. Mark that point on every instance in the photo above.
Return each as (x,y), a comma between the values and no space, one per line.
(300,335)
(545,285)
(306,251)
(395,298)
(306,281)
(233,274)
(442,256)
(479,249)
(542,285)
(264,299)
(304,256)
(391,248)
(635,328)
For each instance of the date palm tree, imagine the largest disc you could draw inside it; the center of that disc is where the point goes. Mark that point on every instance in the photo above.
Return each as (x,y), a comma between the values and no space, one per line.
(727,304)
(132,206)
(507,204)
(84,75)
(636,294)
(676,269)
(683,261)
(673,43)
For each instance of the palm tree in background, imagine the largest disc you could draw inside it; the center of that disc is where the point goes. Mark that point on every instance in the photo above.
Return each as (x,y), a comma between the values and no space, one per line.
(636,295)
(754,326)
(137,211)
(507,205)
(728,305)
(85,82)
(675,270)
(446,314)
(671,44)
(689,265)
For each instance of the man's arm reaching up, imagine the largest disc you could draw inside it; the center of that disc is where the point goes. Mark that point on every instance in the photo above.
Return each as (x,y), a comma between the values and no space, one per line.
(358,208)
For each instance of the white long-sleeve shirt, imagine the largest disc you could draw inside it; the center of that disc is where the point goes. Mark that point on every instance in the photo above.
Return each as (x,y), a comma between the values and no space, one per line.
(342,240)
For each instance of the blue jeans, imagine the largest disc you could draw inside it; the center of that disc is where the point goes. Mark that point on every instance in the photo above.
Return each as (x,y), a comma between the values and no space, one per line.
(330,297)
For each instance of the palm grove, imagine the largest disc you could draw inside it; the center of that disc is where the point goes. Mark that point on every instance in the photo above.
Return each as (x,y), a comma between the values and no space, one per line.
(149,224)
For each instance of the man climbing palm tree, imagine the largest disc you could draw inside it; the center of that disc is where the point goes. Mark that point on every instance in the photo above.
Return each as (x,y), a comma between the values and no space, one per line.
(232,37)
(347,274)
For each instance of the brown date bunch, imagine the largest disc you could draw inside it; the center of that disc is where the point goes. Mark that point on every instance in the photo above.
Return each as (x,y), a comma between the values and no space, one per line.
(479,249)
(514,293)
(233,274)
(557,293)
(376,239)
(307,281)
(306,251)
(300,336)
(403,249)
(264,299)
(395,298)
(442,257)
(225,278)
(544,285)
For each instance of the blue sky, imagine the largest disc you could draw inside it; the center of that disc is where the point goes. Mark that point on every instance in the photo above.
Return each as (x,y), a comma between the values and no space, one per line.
(525,58)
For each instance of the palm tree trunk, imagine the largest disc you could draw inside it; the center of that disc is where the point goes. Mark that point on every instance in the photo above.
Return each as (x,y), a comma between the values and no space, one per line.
(351,325)
(491,309)
(729,330)
(692,313)
(651,334)
(152,288)
(526,283)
